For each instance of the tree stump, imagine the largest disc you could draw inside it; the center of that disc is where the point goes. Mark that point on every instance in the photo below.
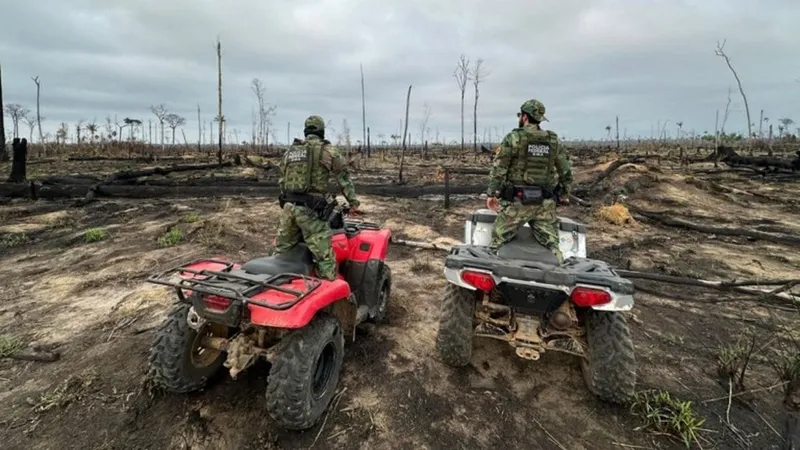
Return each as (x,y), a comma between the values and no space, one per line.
(18,171)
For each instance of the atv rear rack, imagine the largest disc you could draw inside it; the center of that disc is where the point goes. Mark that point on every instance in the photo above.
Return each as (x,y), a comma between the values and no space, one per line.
(233,286)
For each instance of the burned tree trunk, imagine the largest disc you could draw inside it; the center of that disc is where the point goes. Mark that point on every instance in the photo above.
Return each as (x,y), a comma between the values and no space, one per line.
(405,133)
(3,153)
(219,101)
(18,172)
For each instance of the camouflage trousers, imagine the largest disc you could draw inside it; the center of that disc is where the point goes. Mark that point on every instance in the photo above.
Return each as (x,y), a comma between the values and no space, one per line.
(300,221)
(541,218)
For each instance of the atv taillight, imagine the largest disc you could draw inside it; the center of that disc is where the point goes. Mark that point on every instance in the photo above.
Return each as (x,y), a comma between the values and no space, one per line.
(216,302)
(481,281)
(586,297)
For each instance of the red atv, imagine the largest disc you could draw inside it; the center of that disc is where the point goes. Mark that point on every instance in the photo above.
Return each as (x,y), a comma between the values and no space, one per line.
(274,308)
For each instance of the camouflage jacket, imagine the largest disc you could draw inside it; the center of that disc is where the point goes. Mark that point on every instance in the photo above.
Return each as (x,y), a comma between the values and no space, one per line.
(307,166)
(530,156)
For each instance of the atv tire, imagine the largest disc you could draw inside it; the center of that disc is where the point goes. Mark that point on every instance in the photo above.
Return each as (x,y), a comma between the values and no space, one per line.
(454,339)
(609,369)
(305,373)
(177,363)
(382,290)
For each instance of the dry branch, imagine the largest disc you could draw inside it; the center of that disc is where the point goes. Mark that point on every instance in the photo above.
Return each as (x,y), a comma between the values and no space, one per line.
(612,168)
(737,286)
(252,163)
(422,245)
(664,219)
(32,355)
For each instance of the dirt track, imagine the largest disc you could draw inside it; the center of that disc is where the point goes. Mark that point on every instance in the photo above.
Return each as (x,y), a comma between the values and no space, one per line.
(87,301)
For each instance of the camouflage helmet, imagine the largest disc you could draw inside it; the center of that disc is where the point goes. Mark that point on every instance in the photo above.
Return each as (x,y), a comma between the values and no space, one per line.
(535,109)
(314,124)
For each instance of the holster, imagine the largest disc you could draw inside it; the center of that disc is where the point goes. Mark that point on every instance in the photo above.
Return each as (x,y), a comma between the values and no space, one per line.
(317,203)
(528,195)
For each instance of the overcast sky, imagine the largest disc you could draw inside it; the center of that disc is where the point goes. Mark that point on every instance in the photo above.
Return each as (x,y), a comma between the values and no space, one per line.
(587,60)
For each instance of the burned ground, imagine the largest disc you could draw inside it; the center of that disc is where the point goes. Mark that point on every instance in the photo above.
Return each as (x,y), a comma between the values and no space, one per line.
(81,294)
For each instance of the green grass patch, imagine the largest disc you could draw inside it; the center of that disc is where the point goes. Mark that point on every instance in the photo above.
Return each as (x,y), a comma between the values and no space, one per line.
(94,235)
(191,218)
(171,237)
(10,345)
(663,413)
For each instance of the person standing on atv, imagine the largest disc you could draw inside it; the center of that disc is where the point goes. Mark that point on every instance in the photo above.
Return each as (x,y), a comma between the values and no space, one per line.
(304,173)
(530,174)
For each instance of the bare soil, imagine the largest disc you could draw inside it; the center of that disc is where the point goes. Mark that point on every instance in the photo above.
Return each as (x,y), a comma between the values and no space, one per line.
(87,301)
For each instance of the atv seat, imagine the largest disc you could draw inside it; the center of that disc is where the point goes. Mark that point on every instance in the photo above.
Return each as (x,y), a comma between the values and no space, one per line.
(524,246)
(297,260)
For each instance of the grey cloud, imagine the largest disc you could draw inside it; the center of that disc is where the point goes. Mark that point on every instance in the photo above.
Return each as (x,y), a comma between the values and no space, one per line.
(647,61)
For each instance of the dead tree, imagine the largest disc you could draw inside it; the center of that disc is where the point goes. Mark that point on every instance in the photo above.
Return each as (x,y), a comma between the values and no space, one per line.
(220,117)
(160,111)
(78,128)
(426,115)
(38,115)
(258,90)
(174,121)
(199,130)
(30,121)
(3,153)
(405,133)
(478,76)
(17,112)
(363,111)
(462,76)
(264,112)
(721,53)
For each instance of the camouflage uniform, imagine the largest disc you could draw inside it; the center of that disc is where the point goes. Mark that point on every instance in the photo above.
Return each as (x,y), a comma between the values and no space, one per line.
(527,157)
(305,169)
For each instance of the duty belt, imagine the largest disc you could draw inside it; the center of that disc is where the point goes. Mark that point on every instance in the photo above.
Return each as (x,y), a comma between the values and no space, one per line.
(528,195)
(315,202)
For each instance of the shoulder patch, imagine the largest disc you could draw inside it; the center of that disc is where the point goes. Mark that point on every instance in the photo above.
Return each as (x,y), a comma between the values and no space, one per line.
(513,137)
(326,157)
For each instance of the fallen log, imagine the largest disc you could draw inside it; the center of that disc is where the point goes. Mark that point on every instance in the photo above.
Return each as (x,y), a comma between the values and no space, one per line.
(251,163)
(613,167)
(124,158)
(42,356)
(580,201)
(731,158)
(467,171)
(200,181)
(663,219)
(128,174)
(737,286)
(422,245)
(55,191)
(70,179)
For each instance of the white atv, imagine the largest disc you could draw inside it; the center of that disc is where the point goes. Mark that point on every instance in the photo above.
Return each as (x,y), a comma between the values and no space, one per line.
(524,297)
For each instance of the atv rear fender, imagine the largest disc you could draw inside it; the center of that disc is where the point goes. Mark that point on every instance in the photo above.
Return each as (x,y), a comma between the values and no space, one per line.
(327,296)
(618,301)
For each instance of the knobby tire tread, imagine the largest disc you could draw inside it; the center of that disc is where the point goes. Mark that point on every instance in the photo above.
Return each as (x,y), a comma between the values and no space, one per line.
(454,339)
(611,361)
(288,397)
